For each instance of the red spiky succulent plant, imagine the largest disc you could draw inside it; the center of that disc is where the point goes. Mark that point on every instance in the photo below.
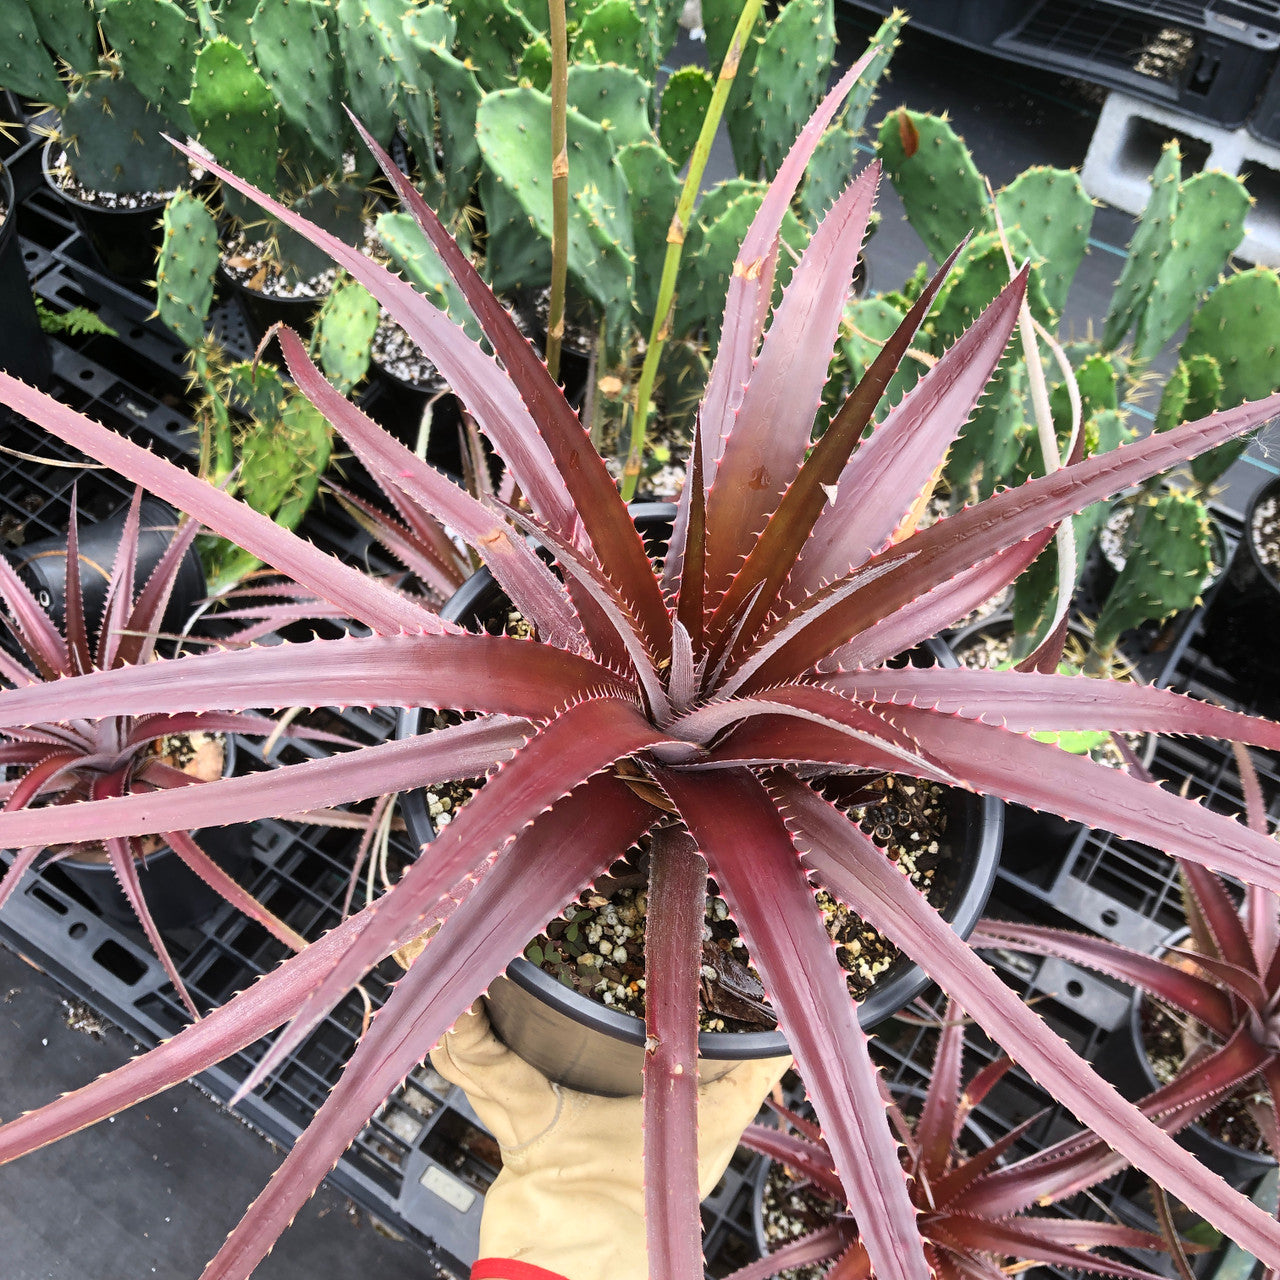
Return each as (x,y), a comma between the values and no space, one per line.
(72,759)
(751,659)
(1222,981)
(972,1204)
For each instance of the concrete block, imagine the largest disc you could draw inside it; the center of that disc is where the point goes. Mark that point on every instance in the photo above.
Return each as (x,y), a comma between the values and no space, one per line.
(1126,144)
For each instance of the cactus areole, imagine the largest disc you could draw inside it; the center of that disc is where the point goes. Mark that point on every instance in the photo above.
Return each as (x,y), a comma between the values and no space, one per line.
(690,702)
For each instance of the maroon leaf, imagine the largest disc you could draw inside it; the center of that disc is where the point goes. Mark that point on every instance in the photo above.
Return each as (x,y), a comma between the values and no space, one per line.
(935,1130)
(570,842)
(854,869)
(673,959)
(754,863)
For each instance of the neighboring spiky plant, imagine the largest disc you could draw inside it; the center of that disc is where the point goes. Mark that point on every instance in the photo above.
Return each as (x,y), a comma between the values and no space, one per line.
(1224,982)
(690,701)
(65,763)
(967,1202)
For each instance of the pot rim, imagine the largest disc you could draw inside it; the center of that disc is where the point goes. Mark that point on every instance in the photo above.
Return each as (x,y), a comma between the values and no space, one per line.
(49,169)
(1271,489)
(982,816)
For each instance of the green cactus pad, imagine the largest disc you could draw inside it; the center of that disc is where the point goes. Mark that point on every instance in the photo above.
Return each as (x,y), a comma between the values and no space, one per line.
(367,69)
(493,35)
(981,271)
(863,94)
(685,99)
(514,131)
(788,80)
(114,142)
(932,170)
(616,98)
(295,53)
(235,114)
(1151,242)
(682,378)
(1167,565)
(343,333)
(535,65)
(654,191)
(1193,391)
(187,268)
(339,209)
(989,444)
(418,262)
(25,64)
(70,29)
(156,45)
(1051,208)
(1207,229)
(1096,382)
(834,163)
(614,31)
(233,20)
(1239,326)
(442,83)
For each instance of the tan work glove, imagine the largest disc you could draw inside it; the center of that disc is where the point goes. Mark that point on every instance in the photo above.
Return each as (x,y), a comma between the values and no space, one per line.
(570,1197)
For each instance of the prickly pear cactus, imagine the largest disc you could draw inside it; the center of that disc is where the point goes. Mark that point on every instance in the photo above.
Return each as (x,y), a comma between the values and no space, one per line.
(1239,327)
(981,271)
(833,164)
(685,99)
(616,98)
(344,333)
(933,172)
(1050,207)
(25,64)
(535,65)
(367,69)
(156,45)
(514,131)
(114,141)
(70,29)
(990,443)
(1149,244)
(235,115)
(884,42)
(782,86)
(653,190)
(295,53)
(1193,391)
(336,207)
(187,268)
(1207,228)
(615,31)
(493,35)
(1168,563)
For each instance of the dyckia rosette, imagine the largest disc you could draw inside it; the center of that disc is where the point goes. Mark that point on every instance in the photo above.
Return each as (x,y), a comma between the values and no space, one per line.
(972,1204)
(753,660)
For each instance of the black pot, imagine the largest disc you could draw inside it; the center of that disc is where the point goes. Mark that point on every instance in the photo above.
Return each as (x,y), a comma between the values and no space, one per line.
(398,404)
(25,350)
(176,897)
(591,1047)
(43,566)
(125,241)
(1123,1060)
(1242,619)
(261,310)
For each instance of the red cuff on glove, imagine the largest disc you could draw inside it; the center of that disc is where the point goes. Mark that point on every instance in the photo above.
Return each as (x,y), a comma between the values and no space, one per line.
(510,1269)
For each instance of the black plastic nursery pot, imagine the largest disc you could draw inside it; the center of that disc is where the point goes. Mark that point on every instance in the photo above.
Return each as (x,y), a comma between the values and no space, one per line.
(176,897)
(25,350)
(1124,1061)
(125,241)
(398,404)
(43,565)
(262,310)
(589,1046)
(1242,620)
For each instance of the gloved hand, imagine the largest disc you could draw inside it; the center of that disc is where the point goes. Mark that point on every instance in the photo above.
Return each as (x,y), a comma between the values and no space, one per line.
(570,1197)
